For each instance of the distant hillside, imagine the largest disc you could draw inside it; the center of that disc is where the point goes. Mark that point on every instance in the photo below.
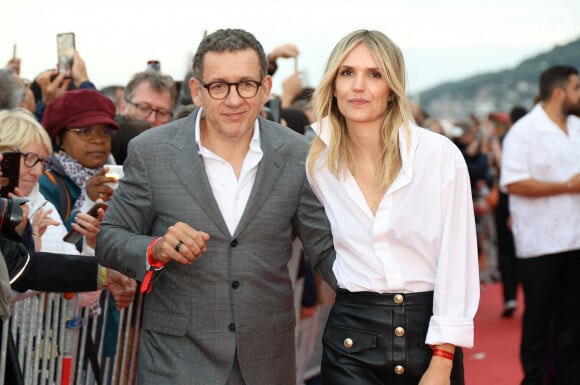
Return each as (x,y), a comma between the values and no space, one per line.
(496,91)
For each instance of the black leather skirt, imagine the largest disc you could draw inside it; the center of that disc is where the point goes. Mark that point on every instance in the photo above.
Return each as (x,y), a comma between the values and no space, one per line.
(373,339)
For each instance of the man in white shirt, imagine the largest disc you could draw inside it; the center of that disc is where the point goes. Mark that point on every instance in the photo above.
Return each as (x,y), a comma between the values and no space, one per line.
(217,197)
(541,172)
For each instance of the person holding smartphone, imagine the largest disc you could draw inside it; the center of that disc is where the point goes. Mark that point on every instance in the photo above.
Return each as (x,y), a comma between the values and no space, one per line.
(80,124)
(50,84)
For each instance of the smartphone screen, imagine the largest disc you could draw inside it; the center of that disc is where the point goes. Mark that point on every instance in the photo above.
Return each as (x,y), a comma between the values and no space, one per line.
(72,236)
(65,45)
(10,172)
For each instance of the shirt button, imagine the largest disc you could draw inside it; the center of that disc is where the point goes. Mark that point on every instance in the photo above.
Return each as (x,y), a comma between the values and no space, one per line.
(235,284)
(399,369)
(234,243)
(232,327)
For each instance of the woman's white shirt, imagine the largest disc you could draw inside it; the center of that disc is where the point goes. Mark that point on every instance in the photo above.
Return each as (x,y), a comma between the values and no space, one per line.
(51,240)
(421,238)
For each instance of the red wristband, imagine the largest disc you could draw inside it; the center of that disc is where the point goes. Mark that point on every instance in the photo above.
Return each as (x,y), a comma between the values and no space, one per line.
(442,353)
(147,283)
(152,262)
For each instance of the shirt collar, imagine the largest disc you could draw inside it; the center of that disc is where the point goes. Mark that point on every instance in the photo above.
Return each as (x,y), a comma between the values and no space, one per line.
(408,141)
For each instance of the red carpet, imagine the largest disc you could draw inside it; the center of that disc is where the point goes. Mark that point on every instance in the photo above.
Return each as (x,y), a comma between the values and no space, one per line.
(495,356)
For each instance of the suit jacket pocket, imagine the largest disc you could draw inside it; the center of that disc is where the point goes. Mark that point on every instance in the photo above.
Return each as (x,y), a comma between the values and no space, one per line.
(349,340)
(172,324)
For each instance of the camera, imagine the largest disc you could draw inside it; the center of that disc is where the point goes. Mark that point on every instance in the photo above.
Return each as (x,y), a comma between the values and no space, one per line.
(10,214)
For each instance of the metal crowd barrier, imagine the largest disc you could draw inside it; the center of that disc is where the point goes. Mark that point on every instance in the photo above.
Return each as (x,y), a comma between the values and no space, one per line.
(49,336)
(46,339)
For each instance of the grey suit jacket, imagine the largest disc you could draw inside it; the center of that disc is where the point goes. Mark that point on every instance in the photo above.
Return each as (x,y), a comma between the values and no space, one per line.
(239,293)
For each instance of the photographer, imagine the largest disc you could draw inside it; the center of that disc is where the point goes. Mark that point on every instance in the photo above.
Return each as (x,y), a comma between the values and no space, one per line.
(51,271)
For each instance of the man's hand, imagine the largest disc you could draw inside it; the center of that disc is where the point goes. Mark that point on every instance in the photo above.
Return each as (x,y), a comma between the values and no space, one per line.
(181,243)
(121,287)
(284,51)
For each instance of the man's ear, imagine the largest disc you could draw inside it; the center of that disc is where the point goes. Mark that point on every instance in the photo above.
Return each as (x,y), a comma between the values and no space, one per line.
(194,89)
(267,88)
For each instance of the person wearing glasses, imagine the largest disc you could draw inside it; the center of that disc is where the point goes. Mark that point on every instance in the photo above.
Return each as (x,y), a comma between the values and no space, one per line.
(149,96)
(80,124)
(205,216)
(20,131)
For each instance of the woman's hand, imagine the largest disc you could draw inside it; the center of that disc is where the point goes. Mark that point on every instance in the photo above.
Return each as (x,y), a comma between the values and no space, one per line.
(40,222)
(97,187)
(89,226)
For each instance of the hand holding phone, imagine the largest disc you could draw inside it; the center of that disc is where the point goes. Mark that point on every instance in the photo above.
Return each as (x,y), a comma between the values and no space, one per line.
(74,236)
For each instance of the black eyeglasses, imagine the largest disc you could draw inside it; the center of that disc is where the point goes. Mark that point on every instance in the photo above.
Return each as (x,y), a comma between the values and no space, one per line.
(220,90)
(144,110)
(89,133)
(31,159)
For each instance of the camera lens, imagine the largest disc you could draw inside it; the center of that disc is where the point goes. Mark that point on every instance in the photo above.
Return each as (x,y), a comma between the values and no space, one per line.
(10,214)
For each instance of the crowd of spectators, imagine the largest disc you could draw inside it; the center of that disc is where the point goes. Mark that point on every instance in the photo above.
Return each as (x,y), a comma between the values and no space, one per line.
(69,131)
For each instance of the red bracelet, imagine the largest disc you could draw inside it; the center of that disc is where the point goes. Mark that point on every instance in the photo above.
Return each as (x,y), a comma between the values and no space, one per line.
(442,353)
(147,284)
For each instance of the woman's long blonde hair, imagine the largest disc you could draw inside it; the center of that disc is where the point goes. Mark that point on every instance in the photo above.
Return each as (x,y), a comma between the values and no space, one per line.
(340,155)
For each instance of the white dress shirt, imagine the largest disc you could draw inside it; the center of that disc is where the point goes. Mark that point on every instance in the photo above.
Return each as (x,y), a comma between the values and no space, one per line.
(421,238)
(536,148)
(231,193)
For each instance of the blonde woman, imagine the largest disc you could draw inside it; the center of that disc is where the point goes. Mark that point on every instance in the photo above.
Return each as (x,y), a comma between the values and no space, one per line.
(399,202)
(20,131)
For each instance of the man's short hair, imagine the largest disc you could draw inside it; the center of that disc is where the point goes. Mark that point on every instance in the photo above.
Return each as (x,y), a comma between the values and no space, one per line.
(157,81)
(224,40)
(555,77)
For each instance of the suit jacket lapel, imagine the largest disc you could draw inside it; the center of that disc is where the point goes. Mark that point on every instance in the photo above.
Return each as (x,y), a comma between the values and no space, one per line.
(267,174)
(188,165)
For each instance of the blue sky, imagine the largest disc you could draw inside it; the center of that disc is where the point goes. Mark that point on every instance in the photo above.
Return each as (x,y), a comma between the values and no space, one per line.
(441,41)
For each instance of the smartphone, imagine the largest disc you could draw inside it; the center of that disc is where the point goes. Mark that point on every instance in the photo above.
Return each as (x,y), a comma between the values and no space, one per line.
(73,236)
(10,172)
(154,65)
(65,46)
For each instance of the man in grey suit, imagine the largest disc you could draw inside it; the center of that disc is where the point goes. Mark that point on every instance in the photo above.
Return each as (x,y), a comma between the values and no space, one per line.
(214,201)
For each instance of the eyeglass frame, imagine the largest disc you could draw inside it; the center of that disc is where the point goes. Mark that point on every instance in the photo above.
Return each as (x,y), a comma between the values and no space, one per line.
(107,131)
(159,112)
(207,86)
(45,162)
